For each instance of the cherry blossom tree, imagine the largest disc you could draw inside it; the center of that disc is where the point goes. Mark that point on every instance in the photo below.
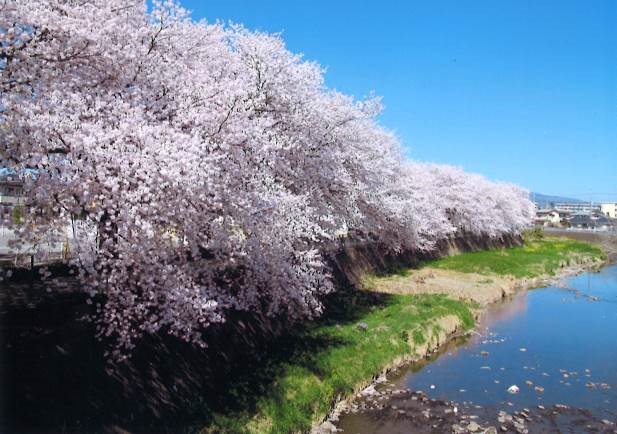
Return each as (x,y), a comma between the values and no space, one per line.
(208,167)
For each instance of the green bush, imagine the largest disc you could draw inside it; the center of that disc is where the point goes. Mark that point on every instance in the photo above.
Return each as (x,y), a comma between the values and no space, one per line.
(533,234)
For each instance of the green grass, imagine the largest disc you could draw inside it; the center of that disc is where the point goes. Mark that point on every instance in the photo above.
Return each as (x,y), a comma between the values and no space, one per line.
(336,356)
(535,258)
(296,383)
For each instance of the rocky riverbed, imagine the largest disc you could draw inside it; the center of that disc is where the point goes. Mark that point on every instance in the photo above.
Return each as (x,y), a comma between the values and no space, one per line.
(389,410)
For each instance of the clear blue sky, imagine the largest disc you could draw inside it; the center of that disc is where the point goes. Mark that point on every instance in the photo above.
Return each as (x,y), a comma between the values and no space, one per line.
(521,91)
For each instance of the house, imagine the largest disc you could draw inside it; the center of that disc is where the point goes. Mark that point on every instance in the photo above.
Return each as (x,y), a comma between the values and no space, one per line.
(581,221)
(547,217)
(595,221)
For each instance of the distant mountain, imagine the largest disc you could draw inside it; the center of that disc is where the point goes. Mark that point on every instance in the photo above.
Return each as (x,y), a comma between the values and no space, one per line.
(544,200)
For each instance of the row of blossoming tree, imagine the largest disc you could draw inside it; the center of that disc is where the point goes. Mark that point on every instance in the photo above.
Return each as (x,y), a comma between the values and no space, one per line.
(213,165)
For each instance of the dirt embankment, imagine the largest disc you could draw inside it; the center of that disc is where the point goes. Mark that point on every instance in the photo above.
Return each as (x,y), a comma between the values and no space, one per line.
(351,261)
(477,288)
(483,289)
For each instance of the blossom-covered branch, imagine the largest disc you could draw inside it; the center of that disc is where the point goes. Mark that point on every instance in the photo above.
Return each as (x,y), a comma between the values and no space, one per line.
(212,164)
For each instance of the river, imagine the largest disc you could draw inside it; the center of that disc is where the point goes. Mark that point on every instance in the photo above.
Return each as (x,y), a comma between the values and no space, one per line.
(556,345)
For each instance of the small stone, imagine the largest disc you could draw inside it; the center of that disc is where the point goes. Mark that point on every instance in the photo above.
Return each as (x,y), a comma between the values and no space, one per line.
(518,421)
(432,386)
(503,428)
(539,389)
(513,389)
(529,383)
(522,350)
(484,353)
(491,430)
(370,390)
(327,428)
(473,427)
(362,326)
(457,429)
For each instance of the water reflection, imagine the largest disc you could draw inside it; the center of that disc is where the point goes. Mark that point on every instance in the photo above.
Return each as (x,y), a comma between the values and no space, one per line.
(557,345)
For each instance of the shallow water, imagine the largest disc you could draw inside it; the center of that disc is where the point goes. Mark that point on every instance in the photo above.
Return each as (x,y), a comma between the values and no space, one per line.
(563,340)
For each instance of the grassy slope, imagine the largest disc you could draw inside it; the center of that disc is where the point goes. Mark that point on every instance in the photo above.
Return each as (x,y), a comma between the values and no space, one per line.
(308,382)
(329,358)
(535,258)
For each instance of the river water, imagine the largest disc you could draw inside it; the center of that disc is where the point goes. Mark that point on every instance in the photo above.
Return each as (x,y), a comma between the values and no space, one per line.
(557,345)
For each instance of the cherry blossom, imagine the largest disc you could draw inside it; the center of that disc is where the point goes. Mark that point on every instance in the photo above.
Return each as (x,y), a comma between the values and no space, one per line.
(207,168)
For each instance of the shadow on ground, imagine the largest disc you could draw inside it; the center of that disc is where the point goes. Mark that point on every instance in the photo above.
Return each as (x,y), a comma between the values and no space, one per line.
(54,378)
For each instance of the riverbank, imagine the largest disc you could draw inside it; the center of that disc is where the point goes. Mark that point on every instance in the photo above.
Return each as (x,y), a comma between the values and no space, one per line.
(369,333)
(484,277)
(257,375)
(550,343)
(480,279)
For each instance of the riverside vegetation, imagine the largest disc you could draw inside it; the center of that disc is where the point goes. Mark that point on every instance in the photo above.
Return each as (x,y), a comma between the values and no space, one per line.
(537,257)
(364,332)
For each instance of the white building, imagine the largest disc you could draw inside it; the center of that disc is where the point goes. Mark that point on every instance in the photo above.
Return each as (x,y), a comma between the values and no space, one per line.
(547,217)
(609,210)
(577,207)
